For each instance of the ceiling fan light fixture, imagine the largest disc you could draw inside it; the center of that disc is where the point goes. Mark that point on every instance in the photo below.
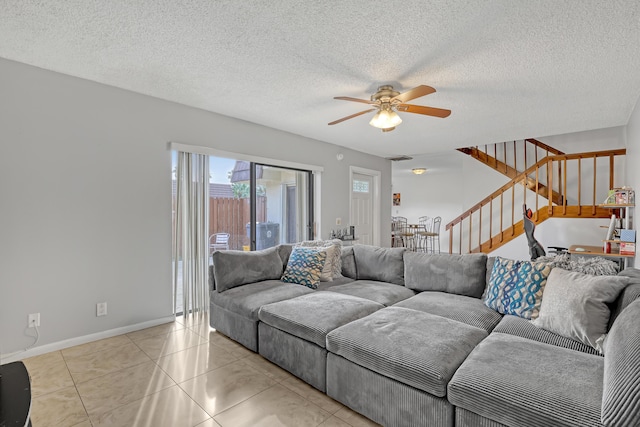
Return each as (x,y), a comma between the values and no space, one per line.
(385,118)
(418,171)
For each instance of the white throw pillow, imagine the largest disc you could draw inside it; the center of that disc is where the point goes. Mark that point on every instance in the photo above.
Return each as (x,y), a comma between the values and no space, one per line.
(333,264)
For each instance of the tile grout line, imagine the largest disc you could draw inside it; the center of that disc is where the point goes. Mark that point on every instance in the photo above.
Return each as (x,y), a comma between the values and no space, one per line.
(75,383)
(75,386)
(238,358)
(96,351)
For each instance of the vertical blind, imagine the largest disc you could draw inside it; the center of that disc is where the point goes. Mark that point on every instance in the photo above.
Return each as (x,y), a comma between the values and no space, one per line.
(191,244)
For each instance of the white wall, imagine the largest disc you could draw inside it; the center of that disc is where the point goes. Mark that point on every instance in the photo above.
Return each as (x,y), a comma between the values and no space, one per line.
(435,193)
(633,163)
(591,140)
(86,204)
(562,232)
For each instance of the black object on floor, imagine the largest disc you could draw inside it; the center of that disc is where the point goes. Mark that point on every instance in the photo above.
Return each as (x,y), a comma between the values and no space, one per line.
(15,395)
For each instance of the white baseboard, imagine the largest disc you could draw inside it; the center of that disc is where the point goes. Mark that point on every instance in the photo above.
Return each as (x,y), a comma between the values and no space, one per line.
(47,348)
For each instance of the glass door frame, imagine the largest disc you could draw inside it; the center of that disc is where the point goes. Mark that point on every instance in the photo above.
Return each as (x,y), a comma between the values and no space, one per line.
(253,186)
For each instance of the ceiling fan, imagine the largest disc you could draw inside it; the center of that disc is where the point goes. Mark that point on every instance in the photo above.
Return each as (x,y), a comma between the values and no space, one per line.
(387,101)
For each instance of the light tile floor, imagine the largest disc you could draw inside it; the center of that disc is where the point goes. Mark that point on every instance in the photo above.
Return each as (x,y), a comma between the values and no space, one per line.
(178,374)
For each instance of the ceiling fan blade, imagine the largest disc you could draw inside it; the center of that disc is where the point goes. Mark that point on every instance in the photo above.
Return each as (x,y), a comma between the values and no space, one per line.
(414,93)
(351,116)
(427,111)
(348,98)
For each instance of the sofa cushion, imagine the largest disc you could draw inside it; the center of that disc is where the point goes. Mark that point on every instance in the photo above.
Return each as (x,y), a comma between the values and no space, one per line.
(348,263)
(491,260)
(312,316)
(418,349)
(523,383)
(630,293)
(237,268)
(520,327)
(284,250)
(471,311)
(574,305)
(621,394)
(381,264)
(325,286)
(516,287)
(212,280)
(455,274)
(380,292)
(305,266)
(246,300)
(333,265)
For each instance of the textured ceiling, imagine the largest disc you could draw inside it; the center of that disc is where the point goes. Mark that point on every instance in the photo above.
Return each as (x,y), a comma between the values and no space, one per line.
(507,69)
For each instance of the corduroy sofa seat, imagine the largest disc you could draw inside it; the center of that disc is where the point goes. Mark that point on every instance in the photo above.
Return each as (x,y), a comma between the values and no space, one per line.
(236,309)
(379,292)
(293,332)
(520,382)
(470,311)
(407,340)
(408,346)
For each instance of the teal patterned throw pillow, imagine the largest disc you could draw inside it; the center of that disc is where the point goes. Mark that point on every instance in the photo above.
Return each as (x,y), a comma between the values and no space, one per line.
(516,287)
(305,266)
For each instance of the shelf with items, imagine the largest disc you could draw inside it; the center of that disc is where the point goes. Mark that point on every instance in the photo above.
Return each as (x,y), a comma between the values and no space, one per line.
(620,197)
(615,206)
(587,250)
(622,235)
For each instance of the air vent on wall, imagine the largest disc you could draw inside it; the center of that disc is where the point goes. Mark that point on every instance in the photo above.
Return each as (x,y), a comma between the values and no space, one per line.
(399,158)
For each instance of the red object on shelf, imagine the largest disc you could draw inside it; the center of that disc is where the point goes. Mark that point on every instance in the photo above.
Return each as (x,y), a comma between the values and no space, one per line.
(627,248)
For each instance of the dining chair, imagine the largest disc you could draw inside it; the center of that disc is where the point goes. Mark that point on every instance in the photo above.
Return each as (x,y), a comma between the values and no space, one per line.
(434,236)
(399,231)
(424,223)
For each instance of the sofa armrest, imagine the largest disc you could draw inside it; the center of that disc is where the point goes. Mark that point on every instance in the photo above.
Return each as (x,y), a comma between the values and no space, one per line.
(621,386)
(212,280)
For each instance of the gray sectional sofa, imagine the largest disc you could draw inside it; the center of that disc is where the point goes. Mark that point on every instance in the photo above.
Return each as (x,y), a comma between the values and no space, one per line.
(406,339)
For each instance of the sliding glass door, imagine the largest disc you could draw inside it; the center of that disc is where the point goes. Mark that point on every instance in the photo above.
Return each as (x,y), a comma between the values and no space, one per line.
(287,196)
(281,201)
(251,206)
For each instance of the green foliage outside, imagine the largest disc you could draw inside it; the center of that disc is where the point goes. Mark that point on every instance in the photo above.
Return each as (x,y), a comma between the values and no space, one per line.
(242,190)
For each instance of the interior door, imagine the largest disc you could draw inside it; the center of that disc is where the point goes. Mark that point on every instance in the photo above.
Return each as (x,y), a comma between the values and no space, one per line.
(362,207)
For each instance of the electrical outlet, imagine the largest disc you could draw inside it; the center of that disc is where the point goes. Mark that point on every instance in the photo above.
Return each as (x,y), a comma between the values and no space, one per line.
(338,221)
(101,309)
(34,320)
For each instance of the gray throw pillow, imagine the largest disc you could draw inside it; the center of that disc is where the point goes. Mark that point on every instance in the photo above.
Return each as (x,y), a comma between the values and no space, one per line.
(348,263)
(621,385)
(237,268)
(574,305)
(491,260)
(284,250)
(454,274)
(380,264)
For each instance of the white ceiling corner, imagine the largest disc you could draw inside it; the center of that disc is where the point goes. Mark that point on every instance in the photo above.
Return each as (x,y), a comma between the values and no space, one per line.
(506,69)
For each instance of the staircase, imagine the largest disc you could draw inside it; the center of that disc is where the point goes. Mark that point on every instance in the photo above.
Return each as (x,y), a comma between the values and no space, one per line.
(532,146)
(552,184)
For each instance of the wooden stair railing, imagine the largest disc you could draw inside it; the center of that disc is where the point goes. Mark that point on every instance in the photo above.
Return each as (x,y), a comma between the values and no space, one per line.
(509,166)
(551,170)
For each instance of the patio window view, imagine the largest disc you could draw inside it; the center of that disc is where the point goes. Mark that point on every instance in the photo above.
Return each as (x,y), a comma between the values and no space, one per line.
(253,206)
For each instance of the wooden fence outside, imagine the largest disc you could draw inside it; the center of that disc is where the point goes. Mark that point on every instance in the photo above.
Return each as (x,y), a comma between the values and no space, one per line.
(230,215)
